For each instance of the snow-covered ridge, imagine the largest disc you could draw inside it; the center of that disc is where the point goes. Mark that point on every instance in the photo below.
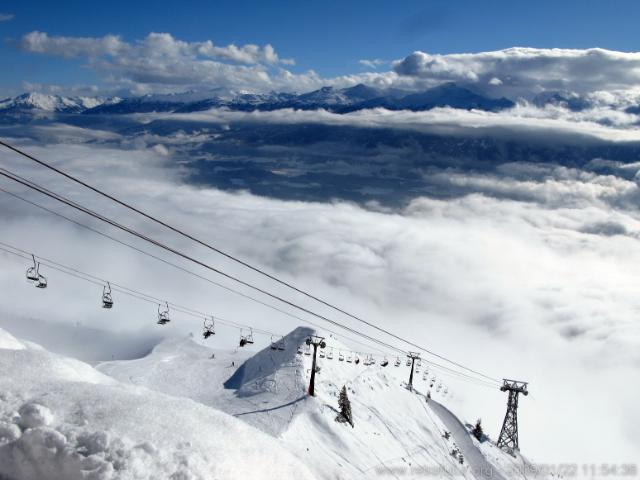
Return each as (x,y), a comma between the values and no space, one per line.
(394,430)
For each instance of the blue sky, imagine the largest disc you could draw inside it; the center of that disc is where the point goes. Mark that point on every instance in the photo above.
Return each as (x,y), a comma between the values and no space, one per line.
(328,37)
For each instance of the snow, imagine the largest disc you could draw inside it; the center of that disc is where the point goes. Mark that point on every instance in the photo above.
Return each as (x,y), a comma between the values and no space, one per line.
(52,103)
(62,419)
(396,432)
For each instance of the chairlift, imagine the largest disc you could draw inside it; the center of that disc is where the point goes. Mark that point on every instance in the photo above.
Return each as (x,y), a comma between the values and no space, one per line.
(308,350)
(163,315)
(341,357)
(425,377)
(397,362)
(384,362)
(299,352)
(247,339)
(438,387)
(419,362)
(330,355)
(408,362)
(274,346)
(349,359)
(357,359)
(34,276)
(208,327)
(322,355)
(107,298)
(281,344)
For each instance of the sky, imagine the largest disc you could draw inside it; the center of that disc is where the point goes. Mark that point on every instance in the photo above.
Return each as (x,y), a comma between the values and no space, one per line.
(330,38)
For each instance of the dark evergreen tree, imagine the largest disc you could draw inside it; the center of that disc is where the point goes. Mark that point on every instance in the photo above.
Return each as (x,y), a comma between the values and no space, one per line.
(477,431)
(345,407)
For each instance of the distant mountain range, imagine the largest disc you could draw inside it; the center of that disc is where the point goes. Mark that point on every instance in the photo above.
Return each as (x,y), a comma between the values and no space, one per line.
(342,100)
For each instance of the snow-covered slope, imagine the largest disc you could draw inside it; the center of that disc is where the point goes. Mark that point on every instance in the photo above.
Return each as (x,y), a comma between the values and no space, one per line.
(62,419)
(396,432)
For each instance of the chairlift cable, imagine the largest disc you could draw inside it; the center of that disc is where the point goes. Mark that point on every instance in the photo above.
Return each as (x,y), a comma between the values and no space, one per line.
(159,244)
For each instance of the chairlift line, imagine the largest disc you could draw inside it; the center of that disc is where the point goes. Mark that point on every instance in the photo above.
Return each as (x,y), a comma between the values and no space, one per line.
(229,256)
(145,297)
(178,267)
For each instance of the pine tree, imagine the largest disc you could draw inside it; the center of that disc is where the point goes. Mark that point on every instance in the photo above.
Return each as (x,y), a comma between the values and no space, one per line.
(477,431)
(345,407)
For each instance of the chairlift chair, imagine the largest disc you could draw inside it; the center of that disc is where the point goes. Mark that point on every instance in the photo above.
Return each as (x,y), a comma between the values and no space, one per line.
(349,359)
(357,359)
(107,298)
(281,344)
(372,361)
(273,344)
(322,354)
(246,339)
(163,315)
(408,362)
(341,357)
(330,355)
(397,362)
(384,362)
(32,272)
(208,327)
(34,276)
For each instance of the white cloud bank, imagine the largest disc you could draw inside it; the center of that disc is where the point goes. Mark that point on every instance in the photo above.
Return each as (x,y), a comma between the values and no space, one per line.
(161,62)
(517,71)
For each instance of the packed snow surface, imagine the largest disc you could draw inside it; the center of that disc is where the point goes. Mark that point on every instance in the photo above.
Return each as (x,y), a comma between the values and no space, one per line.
(62,419)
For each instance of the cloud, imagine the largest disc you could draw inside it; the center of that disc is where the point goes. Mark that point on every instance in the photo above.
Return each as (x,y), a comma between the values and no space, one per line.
(534,123)
(523,71)
(160,61)
(5,17)
(373,64)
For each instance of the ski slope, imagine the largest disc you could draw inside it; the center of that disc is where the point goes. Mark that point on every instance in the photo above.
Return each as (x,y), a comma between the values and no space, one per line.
(397,433)
(62,419)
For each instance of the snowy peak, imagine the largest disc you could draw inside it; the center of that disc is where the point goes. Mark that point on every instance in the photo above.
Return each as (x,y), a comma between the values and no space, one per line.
(51,103)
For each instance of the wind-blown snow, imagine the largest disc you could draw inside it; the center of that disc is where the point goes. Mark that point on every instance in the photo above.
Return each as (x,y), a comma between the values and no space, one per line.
(61,419)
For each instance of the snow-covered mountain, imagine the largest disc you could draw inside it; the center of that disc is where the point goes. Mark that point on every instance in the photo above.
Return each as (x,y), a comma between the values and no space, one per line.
(329,98)
(52,103)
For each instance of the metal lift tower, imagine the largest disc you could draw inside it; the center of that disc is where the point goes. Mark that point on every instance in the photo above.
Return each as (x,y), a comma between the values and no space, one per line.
(316,342)
(508,440)
(413,356)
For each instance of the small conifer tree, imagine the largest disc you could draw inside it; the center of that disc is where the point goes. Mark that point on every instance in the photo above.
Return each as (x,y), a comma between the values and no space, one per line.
(477,431)
(345,407)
